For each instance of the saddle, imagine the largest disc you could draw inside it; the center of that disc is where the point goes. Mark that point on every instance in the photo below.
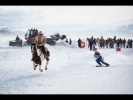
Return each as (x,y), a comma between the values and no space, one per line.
(46,54)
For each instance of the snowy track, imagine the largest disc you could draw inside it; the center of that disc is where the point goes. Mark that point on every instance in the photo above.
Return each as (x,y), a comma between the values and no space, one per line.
(71,70)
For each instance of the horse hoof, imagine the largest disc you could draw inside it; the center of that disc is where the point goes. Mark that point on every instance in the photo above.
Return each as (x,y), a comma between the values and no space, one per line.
(34,68)
(41,70)
(45,68)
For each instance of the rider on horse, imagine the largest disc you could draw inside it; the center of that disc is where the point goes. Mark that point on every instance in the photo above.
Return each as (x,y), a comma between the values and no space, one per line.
(40,40)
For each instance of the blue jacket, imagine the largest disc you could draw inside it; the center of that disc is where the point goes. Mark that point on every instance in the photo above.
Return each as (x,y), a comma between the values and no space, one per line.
(97,55)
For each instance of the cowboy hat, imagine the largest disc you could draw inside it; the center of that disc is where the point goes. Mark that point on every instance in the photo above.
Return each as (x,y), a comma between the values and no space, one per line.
(40,33)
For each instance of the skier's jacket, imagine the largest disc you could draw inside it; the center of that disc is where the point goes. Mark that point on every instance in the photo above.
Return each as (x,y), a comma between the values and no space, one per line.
(97,55)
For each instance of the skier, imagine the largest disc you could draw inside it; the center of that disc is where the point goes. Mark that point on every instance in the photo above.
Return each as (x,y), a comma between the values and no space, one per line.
(99,59)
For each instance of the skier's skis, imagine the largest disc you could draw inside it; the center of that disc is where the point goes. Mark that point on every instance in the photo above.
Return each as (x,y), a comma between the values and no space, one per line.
(98,66)
(102,66)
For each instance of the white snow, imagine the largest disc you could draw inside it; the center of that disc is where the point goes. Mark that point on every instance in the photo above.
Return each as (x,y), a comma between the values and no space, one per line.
(71,70)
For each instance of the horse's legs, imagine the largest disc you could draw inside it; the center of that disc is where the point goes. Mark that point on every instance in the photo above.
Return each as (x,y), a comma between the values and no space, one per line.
(34,65)
(46,65)
(40,68)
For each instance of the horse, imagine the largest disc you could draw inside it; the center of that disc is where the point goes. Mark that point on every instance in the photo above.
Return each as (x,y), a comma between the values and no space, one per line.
(38,57)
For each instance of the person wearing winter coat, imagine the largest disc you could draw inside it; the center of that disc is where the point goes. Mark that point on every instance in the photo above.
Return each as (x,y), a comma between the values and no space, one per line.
(91,43)
(99,59)
(40,40)
(79,42)
(70,41)
(17,39)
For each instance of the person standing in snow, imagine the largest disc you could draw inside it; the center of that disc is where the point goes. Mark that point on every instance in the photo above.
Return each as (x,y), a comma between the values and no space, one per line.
(99,59)
(79,42)
(66,40)
(70,41)
(91,43)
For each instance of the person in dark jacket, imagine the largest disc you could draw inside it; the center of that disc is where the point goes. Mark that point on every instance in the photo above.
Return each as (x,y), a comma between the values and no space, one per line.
(91,43)
(70,41)
(17,39)
(99,59)
(79,42)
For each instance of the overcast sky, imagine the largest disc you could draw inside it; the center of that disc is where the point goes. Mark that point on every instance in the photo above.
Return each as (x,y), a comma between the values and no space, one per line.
(65,15)
(96,13)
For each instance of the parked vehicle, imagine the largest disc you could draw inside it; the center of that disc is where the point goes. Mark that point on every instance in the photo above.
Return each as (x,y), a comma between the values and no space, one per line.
(16,43)
(30,36)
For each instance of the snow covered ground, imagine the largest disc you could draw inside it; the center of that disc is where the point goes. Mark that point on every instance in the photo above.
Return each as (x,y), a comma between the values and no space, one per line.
(71,70)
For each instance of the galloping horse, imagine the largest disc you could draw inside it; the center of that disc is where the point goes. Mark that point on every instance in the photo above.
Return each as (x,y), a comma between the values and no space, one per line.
(38,57)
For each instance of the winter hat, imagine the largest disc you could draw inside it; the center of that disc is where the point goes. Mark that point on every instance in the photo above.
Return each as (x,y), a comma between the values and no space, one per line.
(95,50)
(40,33)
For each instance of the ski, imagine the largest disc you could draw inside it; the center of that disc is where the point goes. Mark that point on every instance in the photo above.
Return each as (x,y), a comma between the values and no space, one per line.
(99,66)
(102,66)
